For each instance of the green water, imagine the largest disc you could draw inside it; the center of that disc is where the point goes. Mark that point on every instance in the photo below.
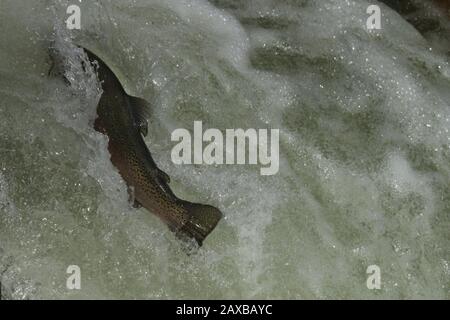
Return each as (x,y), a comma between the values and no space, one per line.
(364,121)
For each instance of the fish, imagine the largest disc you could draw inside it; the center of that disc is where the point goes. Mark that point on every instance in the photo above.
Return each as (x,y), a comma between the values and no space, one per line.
(123,119)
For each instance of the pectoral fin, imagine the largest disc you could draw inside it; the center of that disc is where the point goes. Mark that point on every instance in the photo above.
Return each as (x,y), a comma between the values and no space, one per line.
(143,127)
(98,125)
(132,199)
(141,110)
(137,204)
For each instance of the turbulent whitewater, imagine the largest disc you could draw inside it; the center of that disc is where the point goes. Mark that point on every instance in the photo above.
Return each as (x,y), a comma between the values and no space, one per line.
(364,175)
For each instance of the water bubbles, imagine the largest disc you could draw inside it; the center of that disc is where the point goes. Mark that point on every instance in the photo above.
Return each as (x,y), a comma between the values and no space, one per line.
(360,147)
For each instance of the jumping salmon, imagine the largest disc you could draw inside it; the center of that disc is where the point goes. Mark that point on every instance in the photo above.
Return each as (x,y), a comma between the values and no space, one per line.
(122,118)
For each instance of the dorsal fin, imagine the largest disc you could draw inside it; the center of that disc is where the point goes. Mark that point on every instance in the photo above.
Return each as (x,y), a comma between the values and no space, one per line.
(163,180)
(141,110)
(164,176)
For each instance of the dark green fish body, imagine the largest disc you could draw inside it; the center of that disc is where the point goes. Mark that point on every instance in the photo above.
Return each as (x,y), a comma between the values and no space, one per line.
(120,117)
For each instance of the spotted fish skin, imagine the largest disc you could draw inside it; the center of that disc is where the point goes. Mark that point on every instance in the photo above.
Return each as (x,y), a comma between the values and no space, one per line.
(120,117)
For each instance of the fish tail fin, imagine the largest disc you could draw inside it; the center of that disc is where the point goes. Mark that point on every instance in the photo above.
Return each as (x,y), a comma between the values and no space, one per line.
(202,219)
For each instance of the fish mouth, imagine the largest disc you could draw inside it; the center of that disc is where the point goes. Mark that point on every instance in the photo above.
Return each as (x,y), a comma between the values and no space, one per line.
(201,221)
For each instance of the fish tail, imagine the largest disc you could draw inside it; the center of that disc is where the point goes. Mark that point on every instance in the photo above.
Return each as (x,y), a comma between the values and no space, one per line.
(202,219)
